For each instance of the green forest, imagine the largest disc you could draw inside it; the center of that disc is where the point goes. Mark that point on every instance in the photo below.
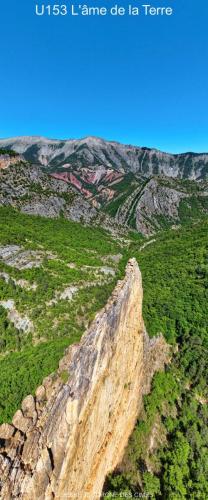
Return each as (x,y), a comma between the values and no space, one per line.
(175,280)
(8,152)
(75,256)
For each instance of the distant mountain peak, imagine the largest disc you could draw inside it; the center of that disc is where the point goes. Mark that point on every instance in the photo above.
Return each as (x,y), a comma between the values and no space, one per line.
(91,151)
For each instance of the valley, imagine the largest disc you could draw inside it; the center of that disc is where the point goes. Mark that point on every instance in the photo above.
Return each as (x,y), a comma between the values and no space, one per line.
(57,285)
(96,181)
(72,214)
(167,452)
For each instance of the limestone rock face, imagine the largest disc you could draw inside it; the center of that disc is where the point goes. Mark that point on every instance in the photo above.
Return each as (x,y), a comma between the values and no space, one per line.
(30,189)
(94,151)
(71,435)
(157,200)
(6,431)
(6,160)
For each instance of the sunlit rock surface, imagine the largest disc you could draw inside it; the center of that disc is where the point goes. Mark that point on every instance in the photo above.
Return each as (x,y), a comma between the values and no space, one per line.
(65,440)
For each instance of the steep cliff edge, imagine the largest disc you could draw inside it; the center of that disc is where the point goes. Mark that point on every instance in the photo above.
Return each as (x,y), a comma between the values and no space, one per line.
(65,440)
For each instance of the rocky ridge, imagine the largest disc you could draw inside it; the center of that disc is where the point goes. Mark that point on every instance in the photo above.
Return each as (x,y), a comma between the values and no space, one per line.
(27,187)
(72,433)
(99,184)
(163,202)
(34,192)
(93,151)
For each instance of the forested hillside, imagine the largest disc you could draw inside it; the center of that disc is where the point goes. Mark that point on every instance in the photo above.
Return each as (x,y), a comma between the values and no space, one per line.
(54,277)
(167,453)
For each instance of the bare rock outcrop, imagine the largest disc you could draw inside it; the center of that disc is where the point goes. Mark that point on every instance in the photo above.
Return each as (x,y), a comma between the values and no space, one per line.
(6,160)
(65,440)
(157,200)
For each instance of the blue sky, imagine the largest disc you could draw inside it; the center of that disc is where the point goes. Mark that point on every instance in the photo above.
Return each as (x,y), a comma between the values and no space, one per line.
(136,80)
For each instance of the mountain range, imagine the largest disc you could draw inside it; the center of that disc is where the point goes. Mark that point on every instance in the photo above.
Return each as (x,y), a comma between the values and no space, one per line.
(139,187)
(93,151)
(55,275)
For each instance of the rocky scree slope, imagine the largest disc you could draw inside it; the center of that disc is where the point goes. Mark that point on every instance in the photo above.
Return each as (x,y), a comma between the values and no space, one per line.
(143,204)
(34,192)
(162,203)
(28,188)
(67,438)
(109,183)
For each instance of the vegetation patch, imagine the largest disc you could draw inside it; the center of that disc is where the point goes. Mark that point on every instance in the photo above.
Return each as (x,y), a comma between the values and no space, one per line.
(8,152)
(71,256)
(175,280)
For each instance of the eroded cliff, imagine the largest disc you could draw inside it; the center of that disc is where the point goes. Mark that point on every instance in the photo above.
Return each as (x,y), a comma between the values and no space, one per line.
(65,440)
